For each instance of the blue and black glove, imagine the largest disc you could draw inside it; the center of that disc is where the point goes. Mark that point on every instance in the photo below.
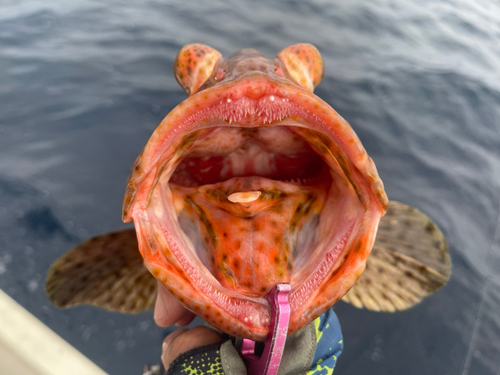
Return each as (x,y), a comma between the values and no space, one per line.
(313,351)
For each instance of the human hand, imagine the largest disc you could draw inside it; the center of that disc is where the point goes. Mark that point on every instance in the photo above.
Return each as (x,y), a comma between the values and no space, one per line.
(169,311)
(319,342)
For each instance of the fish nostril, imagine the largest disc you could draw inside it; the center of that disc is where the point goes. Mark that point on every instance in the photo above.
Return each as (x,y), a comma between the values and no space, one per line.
(220,74)
(279,72)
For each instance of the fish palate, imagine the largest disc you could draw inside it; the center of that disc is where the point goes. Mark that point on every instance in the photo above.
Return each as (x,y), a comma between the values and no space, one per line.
(251,181)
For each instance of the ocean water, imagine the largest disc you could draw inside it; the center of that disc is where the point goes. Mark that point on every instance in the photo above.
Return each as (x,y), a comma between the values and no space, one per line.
(84,83)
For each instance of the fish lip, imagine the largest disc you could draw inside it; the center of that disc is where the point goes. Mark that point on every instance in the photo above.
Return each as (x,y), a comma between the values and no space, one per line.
(254,87)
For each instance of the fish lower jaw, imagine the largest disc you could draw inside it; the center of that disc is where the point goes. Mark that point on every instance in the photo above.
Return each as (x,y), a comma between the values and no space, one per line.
(236,313)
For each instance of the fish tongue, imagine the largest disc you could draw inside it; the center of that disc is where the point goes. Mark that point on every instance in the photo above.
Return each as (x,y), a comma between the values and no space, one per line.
(248,230)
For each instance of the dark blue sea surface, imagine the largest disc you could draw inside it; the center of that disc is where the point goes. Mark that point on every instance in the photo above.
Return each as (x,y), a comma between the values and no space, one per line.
(83,84)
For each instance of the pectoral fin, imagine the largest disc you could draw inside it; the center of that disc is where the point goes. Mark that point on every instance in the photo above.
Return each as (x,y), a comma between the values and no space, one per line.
(409,261)
(105,271)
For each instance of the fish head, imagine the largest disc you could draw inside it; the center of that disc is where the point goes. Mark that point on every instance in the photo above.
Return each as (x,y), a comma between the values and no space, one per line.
(252,181)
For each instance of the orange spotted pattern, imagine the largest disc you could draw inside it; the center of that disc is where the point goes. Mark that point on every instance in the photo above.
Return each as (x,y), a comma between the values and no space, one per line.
(304,64)
(251,247)
(195,64)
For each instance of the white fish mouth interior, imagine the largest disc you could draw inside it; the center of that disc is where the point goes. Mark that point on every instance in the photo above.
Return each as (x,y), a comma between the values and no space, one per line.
(284,157)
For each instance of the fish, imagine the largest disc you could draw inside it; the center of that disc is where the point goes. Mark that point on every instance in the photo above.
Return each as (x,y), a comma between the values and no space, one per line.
(251,181)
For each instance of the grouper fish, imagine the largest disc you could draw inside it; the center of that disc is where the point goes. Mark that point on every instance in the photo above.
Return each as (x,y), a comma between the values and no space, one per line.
(252,181)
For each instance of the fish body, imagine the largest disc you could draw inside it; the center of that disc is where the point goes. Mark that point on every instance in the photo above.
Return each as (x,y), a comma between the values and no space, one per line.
(251,181)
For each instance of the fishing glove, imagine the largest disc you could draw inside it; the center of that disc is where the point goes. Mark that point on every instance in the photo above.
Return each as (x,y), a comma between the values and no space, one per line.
(313,350)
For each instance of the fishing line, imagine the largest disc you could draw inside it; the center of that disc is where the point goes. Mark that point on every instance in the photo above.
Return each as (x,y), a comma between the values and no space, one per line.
(478,321)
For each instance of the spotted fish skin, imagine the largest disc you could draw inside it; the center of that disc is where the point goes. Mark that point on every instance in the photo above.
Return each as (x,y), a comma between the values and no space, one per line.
(304,64)
(194,65)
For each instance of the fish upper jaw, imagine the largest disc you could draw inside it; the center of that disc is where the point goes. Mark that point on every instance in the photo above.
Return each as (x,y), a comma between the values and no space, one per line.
(253,100)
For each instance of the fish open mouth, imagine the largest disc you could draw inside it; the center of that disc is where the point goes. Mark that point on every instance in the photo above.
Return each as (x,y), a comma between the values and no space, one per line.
(240,192)
(257,206)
